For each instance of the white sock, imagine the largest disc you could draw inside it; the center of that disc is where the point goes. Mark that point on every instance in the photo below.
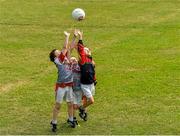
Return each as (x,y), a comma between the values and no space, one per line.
(54,121)
(71,118)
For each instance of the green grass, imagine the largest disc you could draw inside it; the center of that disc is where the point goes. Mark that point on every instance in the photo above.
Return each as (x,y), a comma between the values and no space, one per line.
(136,46)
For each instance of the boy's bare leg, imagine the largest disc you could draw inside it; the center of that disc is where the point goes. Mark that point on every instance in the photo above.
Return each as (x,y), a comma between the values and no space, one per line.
(70,110)
(75,107)
(83,108)
(88,102)
(55,115)
(55,112)
(70,120)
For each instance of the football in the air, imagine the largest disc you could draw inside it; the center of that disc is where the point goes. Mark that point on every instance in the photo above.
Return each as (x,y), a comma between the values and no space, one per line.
(78,14)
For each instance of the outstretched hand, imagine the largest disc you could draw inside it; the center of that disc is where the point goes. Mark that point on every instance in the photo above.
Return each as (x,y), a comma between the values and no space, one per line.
(66,34)
(76,32)
(80,33)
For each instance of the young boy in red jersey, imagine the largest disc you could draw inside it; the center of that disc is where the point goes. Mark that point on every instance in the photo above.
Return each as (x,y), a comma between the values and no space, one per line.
(88,80)
(64,83)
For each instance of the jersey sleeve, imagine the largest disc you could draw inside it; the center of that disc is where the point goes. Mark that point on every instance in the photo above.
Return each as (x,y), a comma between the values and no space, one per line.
(61,57)
(81,51)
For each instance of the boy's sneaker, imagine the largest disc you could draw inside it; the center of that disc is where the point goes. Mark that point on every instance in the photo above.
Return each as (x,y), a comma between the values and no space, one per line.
(71,123)
(54,127)
(75,121)
(81,112)
(85,117)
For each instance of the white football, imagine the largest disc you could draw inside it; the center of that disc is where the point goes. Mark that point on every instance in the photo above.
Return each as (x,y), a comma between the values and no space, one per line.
(78,14)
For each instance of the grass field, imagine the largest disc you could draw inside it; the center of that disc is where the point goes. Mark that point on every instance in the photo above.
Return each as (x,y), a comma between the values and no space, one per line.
(136,46)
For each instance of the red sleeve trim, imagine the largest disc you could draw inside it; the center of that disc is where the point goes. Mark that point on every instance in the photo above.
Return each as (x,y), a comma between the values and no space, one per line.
(83,57)
(61,57)
(81,53)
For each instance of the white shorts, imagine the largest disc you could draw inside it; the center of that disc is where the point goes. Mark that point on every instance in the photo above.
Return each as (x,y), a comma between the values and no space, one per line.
(65,93)
(88,90)
(77,97)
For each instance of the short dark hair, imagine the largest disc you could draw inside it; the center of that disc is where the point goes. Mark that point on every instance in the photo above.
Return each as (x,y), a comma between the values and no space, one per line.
(52,55)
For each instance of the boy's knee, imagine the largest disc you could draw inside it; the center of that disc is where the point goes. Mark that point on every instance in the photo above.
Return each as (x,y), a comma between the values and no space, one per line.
(91,101)
(70,104)
(75,106)
(57,106)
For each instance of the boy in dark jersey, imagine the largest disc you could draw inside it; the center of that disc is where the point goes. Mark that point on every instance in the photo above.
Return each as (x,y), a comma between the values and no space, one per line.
(87,70)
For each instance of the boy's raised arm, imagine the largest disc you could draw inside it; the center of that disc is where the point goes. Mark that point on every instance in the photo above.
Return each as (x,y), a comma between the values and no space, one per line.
(65,47)
(81,47)
(73,43)
(80,35)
